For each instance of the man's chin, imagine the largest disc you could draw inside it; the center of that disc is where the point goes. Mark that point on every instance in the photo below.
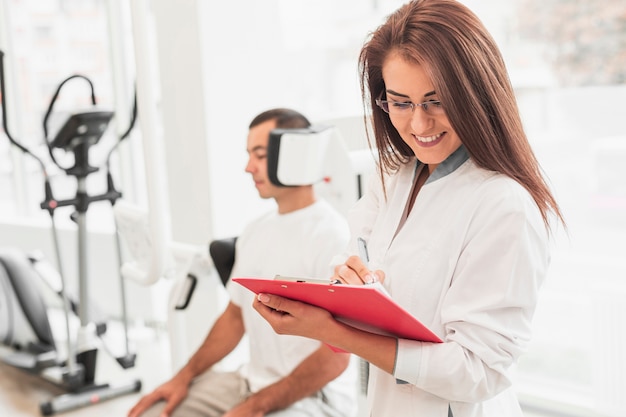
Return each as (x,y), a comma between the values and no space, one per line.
(264,194)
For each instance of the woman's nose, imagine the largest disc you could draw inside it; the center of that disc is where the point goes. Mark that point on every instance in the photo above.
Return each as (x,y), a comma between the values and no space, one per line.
(421,122)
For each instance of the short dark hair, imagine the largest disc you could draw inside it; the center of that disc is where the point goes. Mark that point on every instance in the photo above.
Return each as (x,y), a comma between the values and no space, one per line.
(285,119)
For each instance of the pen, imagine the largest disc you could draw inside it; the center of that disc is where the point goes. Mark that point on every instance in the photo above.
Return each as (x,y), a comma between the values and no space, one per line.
(363,251)
(365,257)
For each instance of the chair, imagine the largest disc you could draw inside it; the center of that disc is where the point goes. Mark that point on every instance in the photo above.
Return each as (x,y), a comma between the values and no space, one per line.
(222,253)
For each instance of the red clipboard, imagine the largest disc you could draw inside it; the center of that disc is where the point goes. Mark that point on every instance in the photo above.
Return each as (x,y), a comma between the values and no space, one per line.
(365,307)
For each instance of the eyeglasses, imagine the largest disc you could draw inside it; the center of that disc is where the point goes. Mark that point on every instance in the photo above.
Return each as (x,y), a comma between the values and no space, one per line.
(405,108)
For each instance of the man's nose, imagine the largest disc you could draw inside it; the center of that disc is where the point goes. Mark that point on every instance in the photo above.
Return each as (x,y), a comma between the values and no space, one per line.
(249,166)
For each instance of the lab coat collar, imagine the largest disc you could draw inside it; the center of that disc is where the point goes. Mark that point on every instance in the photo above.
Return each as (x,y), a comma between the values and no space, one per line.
(451,163)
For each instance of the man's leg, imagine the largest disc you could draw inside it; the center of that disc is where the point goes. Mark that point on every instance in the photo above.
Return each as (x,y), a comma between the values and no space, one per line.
(210,395)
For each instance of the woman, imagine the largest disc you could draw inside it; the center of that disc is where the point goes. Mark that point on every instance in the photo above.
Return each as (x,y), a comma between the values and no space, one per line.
(457,225)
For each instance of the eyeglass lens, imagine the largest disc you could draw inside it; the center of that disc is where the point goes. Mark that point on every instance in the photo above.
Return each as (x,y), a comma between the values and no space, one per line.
(432,107)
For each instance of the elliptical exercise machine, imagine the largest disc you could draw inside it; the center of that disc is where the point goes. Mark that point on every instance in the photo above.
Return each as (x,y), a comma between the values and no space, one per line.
(36,350)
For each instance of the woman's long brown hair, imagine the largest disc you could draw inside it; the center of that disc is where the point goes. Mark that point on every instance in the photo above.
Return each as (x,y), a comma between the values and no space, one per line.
(471,80)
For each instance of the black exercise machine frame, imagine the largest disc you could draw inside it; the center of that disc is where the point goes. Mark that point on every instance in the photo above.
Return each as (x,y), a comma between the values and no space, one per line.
(78,134)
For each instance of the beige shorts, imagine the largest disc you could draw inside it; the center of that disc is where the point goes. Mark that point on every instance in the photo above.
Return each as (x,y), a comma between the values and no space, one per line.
(214,393)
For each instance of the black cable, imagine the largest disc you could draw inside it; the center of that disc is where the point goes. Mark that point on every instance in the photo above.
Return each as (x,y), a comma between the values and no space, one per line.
(5,122)
(133,119)
(49,111)
(56,95)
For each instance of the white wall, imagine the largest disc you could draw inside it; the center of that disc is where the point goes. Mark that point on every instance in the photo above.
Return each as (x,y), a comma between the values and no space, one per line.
(251,65)
(214,77)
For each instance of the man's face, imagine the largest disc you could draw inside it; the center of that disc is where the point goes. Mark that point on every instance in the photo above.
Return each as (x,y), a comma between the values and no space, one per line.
(258,139)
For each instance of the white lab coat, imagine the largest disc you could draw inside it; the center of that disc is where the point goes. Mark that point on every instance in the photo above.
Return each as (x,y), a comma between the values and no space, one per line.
(468,263)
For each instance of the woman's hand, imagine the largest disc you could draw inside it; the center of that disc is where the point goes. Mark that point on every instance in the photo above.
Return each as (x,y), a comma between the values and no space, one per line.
(354,271)
(291,317)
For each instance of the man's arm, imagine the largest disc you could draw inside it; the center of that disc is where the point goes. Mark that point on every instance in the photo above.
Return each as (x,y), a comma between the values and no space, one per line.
(221,340)
(223,337)
(311,375)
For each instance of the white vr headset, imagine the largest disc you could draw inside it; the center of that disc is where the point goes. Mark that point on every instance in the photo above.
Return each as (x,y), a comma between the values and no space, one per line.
(297,157)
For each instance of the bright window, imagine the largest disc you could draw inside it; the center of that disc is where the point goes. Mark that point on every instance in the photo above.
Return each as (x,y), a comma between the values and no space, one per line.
(568,63)
(44,44)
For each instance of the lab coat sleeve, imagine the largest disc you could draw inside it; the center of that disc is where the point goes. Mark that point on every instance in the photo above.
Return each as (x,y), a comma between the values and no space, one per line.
(487,310)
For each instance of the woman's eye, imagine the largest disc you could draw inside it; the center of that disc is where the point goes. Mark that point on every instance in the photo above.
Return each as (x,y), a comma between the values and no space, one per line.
(432,105)
(401,106)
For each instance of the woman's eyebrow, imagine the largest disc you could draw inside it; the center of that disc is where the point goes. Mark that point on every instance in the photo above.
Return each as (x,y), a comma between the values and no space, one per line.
(397,94)
(430,93)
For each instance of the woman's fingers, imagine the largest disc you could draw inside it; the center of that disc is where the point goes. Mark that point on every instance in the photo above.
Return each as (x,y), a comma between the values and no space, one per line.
(287,316)
(354,271)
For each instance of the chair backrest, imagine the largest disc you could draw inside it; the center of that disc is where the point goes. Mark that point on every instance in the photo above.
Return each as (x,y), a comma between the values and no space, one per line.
(222,253)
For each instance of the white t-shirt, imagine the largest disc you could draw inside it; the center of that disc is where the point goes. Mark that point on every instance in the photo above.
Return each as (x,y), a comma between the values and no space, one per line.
(298,244)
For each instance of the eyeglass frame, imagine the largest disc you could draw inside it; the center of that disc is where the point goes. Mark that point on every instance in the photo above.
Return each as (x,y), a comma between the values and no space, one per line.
(424,105)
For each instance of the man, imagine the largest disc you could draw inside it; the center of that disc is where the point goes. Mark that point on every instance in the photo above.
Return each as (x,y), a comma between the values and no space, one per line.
(286,375)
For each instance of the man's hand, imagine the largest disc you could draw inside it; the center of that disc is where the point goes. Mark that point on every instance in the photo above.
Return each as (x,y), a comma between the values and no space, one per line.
(173,392)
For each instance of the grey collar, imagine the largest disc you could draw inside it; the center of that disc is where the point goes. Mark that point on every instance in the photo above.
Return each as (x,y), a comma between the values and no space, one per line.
(452,162)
